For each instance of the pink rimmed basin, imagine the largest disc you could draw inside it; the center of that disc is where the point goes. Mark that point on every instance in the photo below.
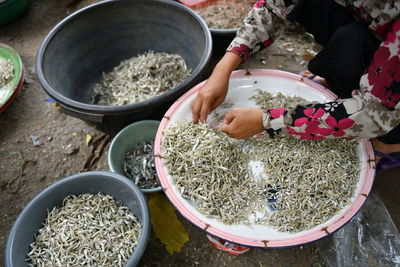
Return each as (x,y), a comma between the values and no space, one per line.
(242,85)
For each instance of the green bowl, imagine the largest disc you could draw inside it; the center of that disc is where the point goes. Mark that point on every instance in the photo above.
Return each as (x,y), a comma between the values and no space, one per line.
(11,10)
(6,96)
(127,139)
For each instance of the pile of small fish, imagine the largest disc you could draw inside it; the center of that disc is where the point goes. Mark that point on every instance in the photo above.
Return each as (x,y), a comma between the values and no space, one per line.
(309,181)
(140,78)
(139,165)
(264,99)
(301,185)
(225,14)
(217,116)
(6,72)
(209,170)
(88,230)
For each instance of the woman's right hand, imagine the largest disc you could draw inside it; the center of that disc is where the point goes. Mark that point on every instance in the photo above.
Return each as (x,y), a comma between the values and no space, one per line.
(210,96)
(213,93)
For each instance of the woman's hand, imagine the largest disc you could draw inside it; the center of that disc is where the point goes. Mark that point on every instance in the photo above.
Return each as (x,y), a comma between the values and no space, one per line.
(213,93)
(210,96)
(243,123)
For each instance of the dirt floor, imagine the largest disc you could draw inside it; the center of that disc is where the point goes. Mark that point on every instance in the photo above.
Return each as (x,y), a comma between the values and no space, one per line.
(63,151)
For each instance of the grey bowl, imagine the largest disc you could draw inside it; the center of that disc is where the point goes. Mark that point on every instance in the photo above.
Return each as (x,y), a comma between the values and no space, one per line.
(127,139)
(34,214)
(93,40)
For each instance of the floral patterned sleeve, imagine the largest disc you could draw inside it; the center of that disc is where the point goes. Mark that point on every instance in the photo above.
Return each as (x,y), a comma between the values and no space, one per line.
(260,27)
(373,110)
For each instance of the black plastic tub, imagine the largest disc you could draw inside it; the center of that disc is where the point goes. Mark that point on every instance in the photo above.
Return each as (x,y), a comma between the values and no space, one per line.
(222,38)
(93,40)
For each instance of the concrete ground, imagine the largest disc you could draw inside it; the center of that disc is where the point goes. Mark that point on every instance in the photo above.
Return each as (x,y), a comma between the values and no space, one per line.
(30,114)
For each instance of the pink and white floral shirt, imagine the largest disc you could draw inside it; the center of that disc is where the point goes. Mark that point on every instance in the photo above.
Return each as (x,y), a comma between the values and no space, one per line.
(374,108)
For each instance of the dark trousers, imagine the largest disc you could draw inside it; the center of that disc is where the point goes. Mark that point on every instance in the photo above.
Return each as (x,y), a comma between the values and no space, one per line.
(348,47)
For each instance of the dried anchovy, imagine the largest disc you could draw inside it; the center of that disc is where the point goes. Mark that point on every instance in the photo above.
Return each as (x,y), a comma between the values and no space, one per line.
(303,182)
(226,105)
(217,116)
(226,14)
(89,230)
(6,73)
(139,165)
(140,78)
(264,99)
(208,169)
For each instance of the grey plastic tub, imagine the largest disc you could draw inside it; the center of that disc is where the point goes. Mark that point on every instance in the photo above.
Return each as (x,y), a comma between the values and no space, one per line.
(34,214)
(126,140)
(93,40)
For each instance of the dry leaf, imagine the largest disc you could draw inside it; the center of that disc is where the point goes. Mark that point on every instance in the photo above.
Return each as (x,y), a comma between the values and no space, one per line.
(88,138)
(166,225)
(308,56)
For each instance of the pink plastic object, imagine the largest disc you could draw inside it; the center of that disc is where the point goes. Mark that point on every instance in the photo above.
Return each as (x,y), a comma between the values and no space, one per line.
(227,246)
(196,3)
(241,87)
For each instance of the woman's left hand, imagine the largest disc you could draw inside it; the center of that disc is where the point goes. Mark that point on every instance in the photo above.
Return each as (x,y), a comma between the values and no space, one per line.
(243,123)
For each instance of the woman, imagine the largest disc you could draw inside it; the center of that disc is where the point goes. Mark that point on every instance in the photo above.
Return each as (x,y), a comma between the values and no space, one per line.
(360,61)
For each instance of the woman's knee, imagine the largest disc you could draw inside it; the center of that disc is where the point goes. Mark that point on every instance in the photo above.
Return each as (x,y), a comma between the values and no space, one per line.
(345,58)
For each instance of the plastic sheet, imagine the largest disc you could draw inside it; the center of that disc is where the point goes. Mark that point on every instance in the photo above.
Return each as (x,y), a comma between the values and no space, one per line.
(369,239)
